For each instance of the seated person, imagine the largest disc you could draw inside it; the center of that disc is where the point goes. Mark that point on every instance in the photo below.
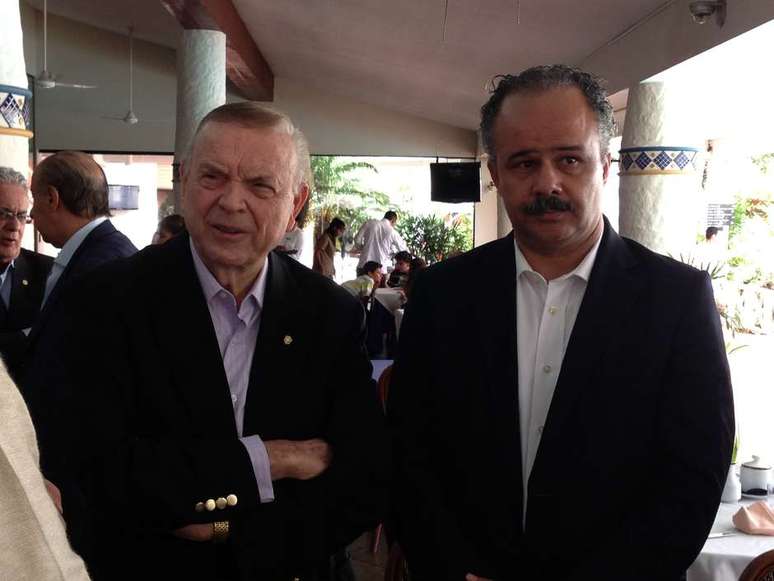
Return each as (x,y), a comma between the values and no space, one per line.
(370,276)
(399,274)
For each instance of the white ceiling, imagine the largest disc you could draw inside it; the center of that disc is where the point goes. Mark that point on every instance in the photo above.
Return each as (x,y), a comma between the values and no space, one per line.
(396,53)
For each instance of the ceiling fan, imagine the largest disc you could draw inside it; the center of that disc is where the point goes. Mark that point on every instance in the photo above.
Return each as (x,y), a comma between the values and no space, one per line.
(45,79)
(130,118)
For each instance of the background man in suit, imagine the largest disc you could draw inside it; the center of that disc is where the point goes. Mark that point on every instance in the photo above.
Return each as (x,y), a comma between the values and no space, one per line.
(22,272)
(70,209)
(230,427)
(561,402)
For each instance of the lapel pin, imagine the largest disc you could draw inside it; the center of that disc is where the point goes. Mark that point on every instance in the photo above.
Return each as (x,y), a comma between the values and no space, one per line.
(25,282)
(287,340)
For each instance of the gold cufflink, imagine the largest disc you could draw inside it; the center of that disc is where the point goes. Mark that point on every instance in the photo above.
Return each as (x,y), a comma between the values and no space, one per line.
(25,282)
(287,340)
(220,503)
(231,499)
(199,507)
(209,505)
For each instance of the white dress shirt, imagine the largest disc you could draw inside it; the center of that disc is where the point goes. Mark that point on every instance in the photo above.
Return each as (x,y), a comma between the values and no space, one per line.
(380,241)
(236,328)
(545,316)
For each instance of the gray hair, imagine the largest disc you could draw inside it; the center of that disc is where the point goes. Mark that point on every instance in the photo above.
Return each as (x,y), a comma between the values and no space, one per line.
(543,78)
(254,116)
(11,177)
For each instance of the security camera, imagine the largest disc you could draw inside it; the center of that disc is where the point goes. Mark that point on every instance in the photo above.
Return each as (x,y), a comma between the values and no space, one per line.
(702,11)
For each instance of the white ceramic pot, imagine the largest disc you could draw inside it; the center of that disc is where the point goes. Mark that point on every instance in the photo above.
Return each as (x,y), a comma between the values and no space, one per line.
(755,477)
(732,491)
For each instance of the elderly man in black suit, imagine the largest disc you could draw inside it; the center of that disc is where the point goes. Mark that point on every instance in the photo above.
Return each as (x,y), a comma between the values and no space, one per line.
(22,272)
(561,402)
(229,427)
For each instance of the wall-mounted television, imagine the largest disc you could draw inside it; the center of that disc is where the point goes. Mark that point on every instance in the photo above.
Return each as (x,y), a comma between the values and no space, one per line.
(455,182)
(123,197)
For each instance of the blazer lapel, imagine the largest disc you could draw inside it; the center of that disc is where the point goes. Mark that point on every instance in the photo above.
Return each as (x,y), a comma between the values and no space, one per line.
(184,327)
(496,314)
(611,293)
(281,339)
(22,307)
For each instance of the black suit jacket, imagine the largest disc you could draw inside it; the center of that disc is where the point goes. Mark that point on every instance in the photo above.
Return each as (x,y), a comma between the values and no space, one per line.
(638,437)
(158,431)
(42,376)
(29,283)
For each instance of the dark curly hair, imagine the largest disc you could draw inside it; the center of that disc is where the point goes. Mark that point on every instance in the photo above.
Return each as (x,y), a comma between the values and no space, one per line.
(543,78)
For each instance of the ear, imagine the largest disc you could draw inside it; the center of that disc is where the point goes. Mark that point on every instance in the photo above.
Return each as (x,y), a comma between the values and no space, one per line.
(606,161)
(54,201)
(492,167)
(302,195)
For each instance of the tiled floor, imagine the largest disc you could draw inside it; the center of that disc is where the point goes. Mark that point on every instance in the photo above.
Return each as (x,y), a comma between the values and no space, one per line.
(368,566)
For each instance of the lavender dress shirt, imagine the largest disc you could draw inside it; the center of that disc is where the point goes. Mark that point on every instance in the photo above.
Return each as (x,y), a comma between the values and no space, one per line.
(237,331)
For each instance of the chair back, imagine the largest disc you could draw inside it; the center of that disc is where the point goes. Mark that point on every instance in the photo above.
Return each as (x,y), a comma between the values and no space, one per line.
(761,568)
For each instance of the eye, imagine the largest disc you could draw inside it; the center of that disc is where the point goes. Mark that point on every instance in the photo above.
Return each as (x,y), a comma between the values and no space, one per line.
(262,188)
(210,178)
(570,160)
(523,164)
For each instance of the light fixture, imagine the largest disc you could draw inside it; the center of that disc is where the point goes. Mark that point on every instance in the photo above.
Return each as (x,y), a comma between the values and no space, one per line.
(702,11)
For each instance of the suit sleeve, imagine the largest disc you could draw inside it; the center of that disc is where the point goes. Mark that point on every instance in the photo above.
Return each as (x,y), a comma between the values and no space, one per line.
(426,524)
(154,480)
(667,526)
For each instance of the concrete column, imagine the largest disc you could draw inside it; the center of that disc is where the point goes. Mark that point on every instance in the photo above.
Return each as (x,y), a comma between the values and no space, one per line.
(15,98)
(201,87)
(660,171)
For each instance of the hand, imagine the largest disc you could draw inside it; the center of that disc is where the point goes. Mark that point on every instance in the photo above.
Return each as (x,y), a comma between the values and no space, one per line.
(472,577)
(199,533)
(302,459)
(54,493)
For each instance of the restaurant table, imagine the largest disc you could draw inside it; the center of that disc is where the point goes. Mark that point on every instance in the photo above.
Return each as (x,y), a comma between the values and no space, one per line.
(724,558)
(390,298)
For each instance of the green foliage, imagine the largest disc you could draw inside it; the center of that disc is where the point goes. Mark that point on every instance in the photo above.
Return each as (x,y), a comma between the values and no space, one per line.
(765,162)
(337,192)
(429,237)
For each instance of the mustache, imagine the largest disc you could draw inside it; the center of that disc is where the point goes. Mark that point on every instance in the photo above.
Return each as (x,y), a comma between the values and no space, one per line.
(543,204)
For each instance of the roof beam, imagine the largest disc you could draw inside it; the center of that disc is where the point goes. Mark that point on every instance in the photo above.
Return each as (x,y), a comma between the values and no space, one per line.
(246,68)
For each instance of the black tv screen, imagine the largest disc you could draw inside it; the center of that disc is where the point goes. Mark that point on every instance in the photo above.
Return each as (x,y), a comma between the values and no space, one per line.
(123,197)
(455,182)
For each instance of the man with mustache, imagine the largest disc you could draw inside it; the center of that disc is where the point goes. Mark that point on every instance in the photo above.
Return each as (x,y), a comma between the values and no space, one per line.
(22,272)
(572,418)
(227,425)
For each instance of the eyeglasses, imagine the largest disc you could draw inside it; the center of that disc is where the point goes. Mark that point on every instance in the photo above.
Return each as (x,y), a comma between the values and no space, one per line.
(7,215)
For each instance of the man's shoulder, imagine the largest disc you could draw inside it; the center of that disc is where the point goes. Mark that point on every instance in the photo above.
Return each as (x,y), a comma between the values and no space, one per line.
(35,261)
(315,287)
(474,263)
(663,268)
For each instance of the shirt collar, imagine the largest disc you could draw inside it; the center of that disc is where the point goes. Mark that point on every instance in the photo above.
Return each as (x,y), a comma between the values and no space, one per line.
(583,270)
(72,244)
(211,287)
(7,269)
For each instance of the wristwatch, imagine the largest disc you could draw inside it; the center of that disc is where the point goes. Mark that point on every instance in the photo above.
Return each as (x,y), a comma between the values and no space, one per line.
(220,531)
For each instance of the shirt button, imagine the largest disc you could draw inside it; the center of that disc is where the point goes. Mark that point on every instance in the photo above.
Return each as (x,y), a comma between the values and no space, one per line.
(547,369)
(233,398)
(552,310)
(540,429)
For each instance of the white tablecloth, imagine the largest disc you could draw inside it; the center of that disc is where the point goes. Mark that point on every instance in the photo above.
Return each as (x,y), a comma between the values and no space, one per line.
(724,558)
(390,298)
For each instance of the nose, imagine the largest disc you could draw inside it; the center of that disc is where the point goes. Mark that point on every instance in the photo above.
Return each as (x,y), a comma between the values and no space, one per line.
(232,198)
(547,180)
